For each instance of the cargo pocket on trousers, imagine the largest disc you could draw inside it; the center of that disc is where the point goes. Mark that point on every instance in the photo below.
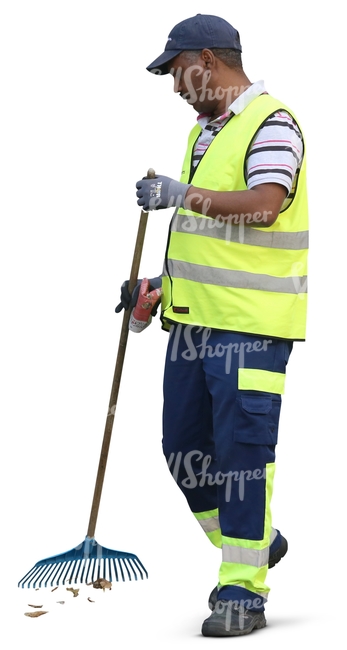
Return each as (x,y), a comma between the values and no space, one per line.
(256,420)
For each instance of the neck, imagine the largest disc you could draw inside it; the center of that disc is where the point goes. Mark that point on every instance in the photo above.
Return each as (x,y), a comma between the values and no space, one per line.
(235,85)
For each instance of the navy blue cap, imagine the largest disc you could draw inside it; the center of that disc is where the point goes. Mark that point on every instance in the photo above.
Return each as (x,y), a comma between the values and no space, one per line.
(196,33)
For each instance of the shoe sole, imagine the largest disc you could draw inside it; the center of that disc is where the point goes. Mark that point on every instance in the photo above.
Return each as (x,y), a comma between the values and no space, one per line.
(215,630)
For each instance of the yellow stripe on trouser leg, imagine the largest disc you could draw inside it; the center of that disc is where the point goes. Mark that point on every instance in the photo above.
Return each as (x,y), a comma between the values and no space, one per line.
(244,561)
(266,380)
(209,522)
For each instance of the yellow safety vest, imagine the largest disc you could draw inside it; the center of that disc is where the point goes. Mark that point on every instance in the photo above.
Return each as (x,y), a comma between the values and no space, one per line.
(237,277)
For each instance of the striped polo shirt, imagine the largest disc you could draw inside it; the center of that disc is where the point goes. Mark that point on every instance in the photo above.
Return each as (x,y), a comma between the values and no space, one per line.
(276,152)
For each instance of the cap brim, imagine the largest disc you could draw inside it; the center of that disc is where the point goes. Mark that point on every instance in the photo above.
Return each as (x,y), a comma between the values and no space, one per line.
(160,65)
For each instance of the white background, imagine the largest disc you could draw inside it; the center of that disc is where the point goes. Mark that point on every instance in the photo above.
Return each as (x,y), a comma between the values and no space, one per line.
(81,122)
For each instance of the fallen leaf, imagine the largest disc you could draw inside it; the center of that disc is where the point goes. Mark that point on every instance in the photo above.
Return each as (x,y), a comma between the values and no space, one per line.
(91,601)
(34,605)
(61,602)
(74,591)
(102,583)
(54,589)
(34,614)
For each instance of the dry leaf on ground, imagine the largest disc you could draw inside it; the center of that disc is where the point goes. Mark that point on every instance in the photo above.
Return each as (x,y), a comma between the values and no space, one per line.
(38,606)
(35,614)
(102,583)
(74,591)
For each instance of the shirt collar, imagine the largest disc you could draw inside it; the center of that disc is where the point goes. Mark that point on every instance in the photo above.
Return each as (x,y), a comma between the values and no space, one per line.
(237,106)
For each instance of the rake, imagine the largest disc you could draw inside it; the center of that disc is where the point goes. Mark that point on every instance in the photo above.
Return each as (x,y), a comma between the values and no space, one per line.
(89,561)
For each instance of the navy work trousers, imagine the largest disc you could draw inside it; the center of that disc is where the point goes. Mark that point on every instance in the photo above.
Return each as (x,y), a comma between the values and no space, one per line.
(222,399)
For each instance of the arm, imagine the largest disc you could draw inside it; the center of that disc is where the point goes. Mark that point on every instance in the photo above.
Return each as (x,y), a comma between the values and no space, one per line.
(275,155)
(259,206)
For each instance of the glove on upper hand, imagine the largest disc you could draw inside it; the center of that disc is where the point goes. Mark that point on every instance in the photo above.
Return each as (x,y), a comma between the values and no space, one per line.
(130,300)
(160,192)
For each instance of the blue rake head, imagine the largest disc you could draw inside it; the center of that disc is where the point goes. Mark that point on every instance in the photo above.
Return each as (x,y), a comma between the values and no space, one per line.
(85,563)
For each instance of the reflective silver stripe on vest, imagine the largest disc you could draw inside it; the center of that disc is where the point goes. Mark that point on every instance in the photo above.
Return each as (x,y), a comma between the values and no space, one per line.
(209,525)
(273,535)
(241,555)
(235,279)
(219,229)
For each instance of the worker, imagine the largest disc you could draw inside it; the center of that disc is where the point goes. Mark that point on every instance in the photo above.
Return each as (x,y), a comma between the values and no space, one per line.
(233,295)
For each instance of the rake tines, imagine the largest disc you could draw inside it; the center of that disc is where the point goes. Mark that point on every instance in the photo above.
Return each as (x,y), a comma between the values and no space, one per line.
(85,563)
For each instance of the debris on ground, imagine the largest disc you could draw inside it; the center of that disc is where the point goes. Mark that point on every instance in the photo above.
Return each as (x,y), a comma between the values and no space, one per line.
(74,591)
(101,583)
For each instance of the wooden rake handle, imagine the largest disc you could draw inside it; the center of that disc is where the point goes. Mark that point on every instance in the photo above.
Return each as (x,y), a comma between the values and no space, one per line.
(117,372)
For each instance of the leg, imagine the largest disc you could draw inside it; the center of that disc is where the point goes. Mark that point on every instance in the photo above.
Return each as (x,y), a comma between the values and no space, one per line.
(243,382)
(187,428)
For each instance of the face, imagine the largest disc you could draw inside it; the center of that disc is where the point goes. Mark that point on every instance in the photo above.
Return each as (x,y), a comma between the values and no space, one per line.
(193,81)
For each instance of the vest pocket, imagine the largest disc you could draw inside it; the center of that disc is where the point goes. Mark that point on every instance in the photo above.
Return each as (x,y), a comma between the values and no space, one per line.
(256,420)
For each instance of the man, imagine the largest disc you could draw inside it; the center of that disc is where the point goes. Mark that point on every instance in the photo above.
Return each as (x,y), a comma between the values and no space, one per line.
(234,299)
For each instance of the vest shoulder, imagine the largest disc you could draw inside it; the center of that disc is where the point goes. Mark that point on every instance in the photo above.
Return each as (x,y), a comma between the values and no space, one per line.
(265,106)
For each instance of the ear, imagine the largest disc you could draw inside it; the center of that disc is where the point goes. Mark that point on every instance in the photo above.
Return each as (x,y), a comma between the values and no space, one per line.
(208,58)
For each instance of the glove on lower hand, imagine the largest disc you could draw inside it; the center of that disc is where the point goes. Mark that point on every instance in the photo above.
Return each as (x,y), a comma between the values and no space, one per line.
(160,192)
(130,300)
(147,301)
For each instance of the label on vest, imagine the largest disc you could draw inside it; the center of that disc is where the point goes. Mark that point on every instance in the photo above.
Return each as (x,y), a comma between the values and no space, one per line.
(180,310)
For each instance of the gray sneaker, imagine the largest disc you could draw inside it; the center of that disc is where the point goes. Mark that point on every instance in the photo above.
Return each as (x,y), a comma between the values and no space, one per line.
(231,619)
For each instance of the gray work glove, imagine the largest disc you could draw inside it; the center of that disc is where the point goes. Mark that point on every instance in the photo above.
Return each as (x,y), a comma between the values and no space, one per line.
(129,300)
(160,192)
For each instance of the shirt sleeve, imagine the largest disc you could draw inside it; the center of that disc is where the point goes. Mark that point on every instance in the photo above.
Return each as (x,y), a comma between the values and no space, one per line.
(276,153)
